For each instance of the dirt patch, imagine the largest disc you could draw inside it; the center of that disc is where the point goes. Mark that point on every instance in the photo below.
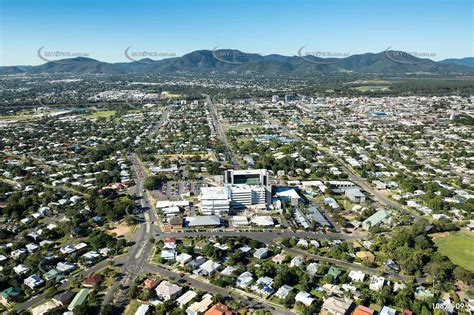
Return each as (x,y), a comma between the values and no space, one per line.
(439,235)
(121,230)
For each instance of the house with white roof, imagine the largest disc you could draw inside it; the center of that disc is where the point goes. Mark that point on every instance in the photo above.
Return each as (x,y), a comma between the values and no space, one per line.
(168,254)
(65,267)
(244,280)
(33,281)
(263,286)
(208,268)
(200,307)
(261,253)
(387,311)
(296,262)
(356,275)
(186,298)
(376,283)
(305,298)
(283,291)
(166,290)
(183,258)
(21,269)
(312,268)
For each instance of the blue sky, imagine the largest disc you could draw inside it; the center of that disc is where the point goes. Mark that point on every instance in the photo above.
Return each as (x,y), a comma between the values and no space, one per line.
(103,29)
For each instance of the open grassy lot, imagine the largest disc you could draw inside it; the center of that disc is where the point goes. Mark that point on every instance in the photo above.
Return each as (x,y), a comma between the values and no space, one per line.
(244,126)
(372,88)
(101,114)
(458,246)
(132,307)
(19,117)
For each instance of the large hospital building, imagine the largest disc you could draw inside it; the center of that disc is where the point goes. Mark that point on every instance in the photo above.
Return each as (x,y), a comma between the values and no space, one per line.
(242,189)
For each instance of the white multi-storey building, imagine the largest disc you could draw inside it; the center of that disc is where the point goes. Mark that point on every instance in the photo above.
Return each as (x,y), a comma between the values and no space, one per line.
(249,188)
(215,200)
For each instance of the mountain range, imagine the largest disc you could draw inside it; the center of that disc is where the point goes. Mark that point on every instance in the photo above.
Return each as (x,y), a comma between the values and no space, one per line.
(234,61)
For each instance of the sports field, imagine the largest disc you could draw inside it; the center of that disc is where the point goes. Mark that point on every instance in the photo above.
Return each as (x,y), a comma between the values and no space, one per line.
(104,114)
(458,246)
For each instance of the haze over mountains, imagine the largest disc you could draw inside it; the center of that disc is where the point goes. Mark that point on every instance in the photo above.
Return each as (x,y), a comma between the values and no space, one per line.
(235,61)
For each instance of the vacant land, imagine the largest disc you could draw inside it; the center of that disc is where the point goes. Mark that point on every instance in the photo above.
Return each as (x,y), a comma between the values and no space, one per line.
(458,246)
(121,230)
(19,117)
(372,88)
(104,114)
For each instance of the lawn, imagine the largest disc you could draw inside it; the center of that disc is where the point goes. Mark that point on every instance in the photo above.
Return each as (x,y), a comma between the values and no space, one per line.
(372,88)
(18,117)
(244,126)
(101,114)
(458,246)
(132,307)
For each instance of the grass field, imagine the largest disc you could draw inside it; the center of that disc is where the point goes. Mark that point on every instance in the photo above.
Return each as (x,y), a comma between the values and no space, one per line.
(372,88)
(245,126)
(458,246)
(101,114)
(18,117)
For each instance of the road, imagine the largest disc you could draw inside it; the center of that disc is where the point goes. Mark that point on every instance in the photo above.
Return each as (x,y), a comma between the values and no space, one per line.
(42,297)
(161,122)
(220,132)
(353,176)
(207,287)
(266,237)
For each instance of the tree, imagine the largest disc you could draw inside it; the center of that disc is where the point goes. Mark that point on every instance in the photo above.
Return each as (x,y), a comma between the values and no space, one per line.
(153,182)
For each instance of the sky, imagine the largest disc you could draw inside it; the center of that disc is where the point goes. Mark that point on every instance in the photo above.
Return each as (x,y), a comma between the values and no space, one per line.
(103,29)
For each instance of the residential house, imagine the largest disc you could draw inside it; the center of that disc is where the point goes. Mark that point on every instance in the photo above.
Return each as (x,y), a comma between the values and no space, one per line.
(183,258)
(376,283)
(278,259)
(21,269)
(244,280)
(79,299)
(387,311)
(304,297)
(150,283)
(186,298)
(65,267)
(167,290)
(92,281)
(283,291)
(363,310)
(263,286)
(336,306)
(357,276)
(296,262)
(63,298)
(334,272)
(208,268)
(312,268)
(142,309)
(366,256)
(9,296)
(219,309)
(200,307)
(33,281)
(261,253)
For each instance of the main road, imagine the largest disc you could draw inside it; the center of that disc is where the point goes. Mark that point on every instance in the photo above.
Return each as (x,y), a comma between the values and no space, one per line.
(220,132)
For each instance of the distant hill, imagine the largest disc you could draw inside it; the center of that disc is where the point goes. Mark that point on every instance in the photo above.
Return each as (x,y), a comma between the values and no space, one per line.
(466,62)
(235,61)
